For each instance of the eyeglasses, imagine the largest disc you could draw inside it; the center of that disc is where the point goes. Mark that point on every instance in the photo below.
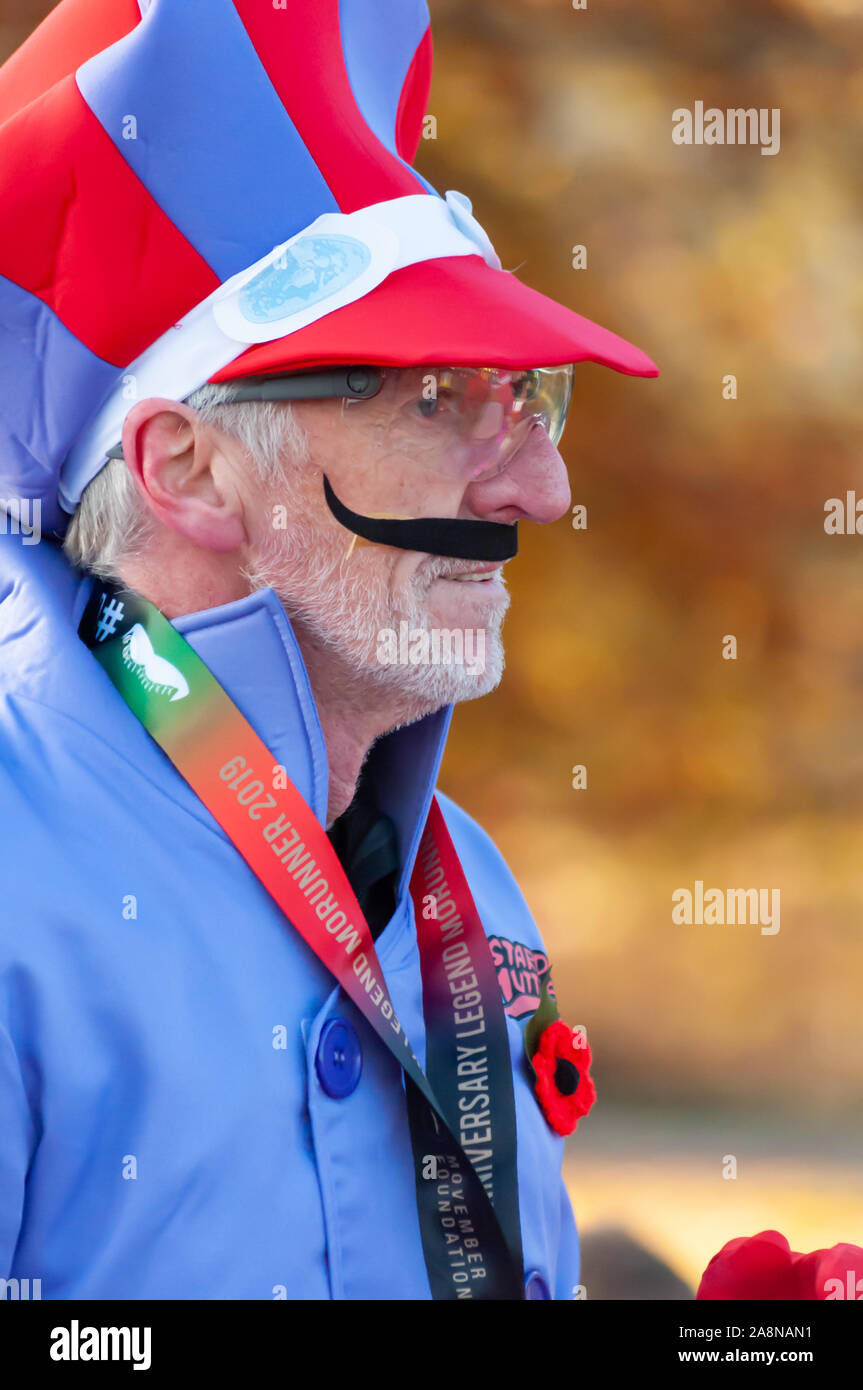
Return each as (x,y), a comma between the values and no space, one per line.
(466,422)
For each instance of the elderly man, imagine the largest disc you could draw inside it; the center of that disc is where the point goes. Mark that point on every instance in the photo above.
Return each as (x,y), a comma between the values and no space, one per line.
(275,1021)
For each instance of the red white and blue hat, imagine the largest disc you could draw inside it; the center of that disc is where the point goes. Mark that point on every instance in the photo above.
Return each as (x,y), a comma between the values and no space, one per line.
(199,190)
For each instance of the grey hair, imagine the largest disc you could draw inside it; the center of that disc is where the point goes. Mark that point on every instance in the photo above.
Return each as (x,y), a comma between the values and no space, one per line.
(113,523)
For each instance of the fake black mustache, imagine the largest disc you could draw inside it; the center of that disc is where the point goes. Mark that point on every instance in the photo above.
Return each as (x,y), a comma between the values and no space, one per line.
(433,535)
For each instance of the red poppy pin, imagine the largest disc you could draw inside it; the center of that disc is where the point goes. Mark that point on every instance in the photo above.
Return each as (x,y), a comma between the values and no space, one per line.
(559,1057)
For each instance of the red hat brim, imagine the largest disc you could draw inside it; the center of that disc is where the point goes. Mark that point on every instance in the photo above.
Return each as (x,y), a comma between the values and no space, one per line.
(454,310)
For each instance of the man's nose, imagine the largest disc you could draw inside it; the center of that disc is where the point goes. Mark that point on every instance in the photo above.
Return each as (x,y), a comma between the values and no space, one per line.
(533,487)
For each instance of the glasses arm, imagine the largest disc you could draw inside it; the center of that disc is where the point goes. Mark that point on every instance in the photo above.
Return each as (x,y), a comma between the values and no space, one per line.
(355,383)
(358,383)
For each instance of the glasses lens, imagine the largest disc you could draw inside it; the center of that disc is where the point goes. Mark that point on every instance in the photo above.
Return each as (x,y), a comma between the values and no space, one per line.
(467,422)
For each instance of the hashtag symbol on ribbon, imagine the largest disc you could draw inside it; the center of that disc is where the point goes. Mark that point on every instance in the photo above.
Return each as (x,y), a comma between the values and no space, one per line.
(110,613)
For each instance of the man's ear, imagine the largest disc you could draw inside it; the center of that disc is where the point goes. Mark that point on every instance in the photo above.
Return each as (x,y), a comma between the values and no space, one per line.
(185,473)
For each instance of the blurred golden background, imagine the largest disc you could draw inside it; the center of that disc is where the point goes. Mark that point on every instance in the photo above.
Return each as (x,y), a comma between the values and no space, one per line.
(705,518)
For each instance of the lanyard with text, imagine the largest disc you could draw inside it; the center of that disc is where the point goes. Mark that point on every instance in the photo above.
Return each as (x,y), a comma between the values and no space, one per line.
(461,1109)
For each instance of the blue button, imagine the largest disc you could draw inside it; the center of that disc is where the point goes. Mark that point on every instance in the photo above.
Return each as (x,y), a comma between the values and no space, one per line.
(535,1286)
(339,1059)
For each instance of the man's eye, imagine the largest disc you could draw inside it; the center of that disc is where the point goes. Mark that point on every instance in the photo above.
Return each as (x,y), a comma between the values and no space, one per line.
(437,407)
(524,388)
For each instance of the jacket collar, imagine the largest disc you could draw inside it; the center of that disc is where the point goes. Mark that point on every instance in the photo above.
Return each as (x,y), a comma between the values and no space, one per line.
(250,648)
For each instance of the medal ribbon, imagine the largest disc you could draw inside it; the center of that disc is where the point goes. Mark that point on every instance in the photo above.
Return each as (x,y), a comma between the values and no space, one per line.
(462,1112)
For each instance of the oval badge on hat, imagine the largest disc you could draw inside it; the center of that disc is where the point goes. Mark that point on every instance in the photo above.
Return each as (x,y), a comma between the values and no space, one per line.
(314,268)
(317,271)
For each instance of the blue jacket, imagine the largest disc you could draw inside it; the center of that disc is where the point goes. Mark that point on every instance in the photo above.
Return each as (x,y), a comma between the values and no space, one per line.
(165,1131)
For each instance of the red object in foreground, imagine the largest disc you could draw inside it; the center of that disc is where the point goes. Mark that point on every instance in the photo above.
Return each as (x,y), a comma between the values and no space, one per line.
(765,1267)
(564,1087)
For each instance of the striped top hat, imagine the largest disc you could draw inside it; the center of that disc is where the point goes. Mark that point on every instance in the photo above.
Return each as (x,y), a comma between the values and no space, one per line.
(197,190)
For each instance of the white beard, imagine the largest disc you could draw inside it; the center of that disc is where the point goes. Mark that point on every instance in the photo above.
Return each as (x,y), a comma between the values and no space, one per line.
(344,603)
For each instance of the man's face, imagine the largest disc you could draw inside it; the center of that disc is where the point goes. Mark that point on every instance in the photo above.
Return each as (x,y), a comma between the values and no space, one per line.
(424,628)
